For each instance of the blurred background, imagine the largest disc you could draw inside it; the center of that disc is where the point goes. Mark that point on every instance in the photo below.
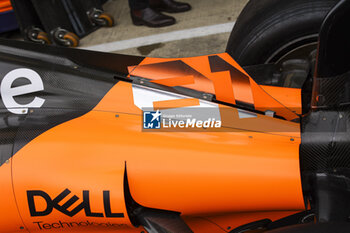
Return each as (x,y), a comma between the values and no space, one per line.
(204,29)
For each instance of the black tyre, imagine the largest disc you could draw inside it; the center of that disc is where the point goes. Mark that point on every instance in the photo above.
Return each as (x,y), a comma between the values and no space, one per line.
(272,31)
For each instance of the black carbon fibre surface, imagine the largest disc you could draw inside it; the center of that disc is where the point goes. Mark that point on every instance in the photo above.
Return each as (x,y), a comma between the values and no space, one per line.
(74,81)
(325,144)
(326,128)
(334,227)
(9,124)
(325,162)
(332,92)
(325,140)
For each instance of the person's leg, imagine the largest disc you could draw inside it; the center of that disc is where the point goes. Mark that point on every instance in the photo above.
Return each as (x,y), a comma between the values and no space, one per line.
(142,14)
(169,6)
(138,4)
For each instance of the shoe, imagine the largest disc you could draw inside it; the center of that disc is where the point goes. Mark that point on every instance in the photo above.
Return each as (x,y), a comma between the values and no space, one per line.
(151,18)
(169,6)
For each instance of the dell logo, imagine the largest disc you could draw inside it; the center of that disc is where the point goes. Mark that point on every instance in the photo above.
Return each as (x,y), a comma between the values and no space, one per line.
(65,208)
(8,92)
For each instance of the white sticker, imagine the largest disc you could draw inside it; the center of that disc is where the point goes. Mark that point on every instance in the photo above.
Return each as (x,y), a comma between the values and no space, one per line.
(8,92)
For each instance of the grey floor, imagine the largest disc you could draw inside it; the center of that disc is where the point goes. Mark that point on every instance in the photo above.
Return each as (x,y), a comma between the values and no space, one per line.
(205,13)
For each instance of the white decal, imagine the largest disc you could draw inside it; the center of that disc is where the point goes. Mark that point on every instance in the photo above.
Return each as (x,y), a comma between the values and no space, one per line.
(8,92)
(145,97)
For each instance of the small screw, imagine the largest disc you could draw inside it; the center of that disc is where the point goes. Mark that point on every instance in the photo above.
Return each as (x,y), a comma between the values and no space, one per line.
(324,118)
(228,228)
(117,115)
(292,139)
(250,136)
(75,67)
(340,116)
(21,228)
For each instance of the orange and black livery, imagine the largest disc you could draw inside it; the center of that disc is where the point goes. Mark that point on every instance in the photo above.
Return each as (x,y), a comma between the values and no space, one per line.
(75,156)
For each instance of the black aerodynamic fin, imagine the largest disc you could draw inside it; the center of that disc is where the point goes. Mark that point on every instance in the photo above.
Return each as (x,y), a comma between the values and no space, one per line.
(153,220)
(42,86)
(325,146)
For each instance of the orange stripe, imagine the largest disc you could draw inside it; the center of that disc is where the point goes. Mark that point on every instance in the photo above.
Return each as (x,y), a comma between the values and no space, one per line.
(4,4)
(5,9)
(131,69)
(166,104)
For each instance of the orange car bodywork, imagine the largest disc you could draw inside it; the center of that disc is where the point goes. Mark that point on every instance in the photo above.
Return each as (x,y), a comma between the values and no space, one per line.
(5,5)
(216,180)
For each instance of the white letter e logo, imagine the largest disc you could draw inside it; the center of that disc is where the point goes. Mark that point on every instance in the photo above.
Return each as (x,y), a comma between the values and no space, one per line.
(8,92)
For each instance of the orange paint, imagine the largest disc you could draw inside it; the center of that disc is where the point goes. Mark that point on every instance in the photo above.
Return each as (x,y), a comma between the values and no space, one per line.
(207,174)
(5,5)
(10,220)
(227,88)
(173,82)
(215,180)
(289,97)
